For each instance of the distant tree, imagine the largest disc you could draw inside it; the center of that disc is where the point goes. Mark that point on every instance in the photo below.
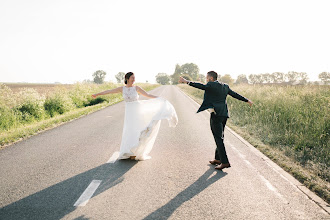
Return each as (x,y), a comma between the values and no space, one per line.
(259,78)
(291,77)
(253,78)
(265,78)
(302,78)
(99,76)
(177,73)
(242,79)
(163,78)
(120,77)
(202,78)
(277,77)
(324,77)
(256,78)
(187,77)
(227,79)
(87,81)
(219,77)
(190,69)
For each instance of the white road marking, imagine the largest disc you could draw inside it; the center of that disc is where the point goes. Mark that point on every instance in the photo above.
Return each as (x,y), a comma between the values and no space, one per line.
(267,183)
(294,186)
(248,163)
(238,152)
(272,188)
(88,193)
(114,157)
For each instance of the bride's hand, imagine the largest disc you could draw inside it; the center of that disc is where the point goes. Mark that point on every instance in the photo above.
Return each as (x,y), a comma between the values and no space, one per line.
(94,96)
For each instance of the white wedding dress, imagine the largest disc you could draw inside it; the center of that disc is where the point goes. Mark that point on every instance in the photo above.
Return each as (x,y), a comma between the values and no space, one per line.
(142,122)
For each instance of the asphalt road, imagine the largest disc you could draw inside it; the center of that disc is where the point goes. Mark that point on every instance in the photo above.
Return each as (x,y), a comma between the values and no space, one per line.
(50,175)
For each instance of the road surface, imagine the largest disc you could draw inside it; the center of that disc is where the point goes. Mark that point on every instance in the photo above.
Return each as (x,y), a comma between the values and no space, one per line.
(69,173)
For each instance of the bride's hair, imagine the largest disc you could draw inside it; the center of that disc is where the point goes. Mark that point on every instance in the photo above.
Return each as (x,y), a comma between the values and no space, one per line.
(127,76)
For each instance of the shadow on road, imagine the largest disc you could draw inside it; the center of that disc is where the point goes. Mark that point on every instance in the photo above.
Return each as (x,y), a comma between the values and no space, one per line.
(194,189)
(57,201)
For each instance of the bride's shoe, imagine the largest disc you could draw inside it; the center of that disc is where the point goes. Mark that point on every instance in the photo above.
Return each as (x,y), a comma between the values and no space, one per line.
(132,157)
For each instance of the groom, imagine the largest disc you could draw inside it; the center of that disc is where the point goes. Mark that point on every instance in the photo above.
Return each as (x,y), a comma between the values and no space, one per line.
(215,99)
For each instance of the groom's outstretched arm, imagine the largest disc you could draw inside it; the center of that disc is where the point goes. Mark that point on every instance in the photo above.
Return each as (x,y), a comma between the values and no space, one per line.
(194,84)
(199,85)
(238,96)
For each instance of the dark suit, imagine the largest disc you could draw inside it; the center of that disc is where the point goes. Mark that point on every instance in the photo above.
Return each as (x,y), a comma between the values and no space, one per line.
(215,97)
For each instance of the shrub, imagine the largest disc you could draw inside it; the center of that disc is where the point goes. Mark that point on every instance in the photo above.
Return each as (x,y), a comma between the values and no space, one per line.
(58,102)
(30,104)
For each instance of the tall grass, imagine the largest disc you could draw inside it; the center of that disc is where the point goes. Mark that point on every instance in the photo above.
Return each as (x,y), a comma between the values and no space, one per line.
(295,119)
(27,106)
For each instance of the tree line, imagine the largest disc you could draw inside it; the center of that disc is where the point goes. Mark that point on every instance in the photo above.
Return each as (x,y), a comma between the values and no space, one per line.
(191,72)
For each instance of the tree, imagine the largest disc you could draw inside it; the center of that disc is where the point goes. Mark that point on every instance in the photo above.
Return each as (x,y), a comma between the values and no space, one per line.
(302,78)
(324,77)
(265,78)
(227,79)
(187,69)
(202,78)
(187,77)
(163,78)
(291,77)
(177,73)
(277,77)
(190,69)
(253,78)
(256,78)
(242,79)
(120,77)
(99,76)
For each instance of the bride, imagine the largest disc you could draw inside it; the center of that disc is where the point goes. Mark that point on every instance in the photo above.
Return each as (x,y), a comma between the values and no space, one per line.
(142,119)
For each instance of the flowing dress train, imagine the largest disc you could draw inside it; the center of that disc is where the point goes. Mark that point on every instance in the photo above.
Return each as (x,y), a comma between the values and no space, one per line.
(141,123)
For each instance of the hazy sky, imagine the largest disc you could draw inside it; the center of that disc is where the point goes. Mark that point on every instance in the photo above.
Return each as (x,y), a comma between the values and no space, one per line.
(67,40)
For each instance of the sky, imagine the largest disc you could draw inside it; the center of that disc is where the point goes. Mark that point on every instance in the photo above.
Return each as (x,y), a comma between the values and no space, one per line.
(66,41)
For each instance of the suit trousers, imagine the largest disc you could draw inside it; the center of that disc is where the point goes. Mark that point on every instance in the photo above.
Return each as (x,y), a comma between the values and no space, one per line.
(218,124)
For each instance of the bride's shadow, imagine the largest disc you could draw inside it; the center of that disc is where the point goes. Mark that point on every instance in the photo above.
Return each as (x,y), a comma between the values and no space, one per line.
(58,200)
(194,189)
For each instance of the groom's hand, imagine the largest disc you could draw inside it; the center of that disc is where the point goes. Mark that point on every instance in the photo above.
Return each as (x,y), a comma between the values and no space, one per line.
(182,80)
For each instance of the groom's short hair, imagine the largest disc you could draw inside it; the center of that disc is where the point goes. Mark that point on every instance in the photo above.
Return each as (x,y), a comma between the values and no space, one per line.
(213,74)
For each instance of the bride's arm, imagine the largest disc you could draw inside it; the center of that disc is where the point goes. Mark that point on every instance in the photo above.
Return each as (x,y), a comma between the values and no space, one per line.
(111,91)
(144,93)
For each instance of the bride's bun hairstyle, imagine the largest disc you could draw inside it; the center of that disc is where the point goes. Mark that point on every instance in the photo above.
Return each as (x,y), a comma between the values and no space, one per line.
(127,76)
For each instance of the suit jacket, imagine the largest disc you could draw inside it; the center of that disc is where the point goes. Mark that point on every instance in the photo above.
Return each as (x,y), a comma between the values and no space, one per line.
(215,97)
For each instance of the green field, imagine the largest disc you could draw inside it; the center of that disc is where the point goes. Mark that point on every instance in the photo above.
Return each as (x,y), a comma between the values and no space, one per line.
(294,121)
(26,109)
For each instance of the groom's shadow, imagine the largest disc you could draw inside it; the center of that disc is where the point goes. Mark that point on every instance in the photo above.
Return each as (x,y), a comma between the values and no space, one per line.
(194,189)
(57,201)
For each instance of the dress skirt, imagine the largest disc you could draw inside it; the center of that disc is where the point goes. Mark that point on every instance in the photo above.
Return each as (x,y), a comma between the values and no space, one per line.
(141,125)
